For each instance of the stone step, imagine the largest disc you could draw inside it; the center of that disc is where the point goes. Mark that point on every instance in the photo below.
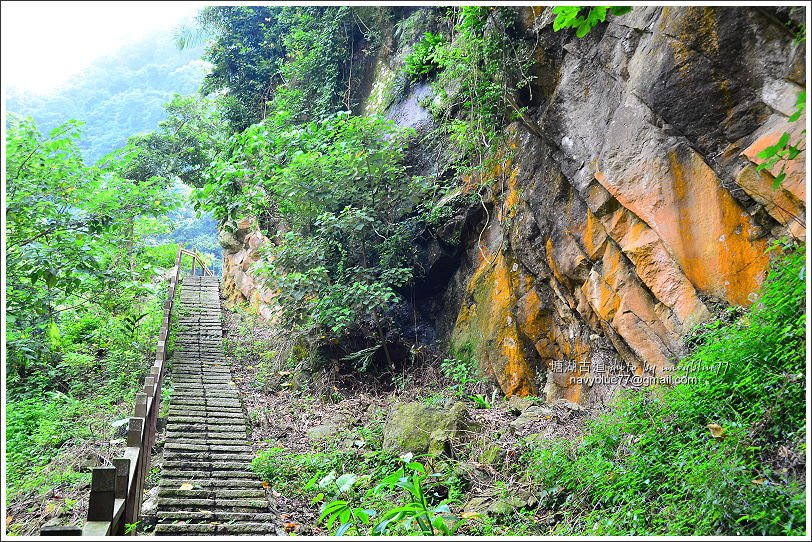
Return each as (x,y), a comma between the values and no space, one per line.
(239,441)
(207,413)
(205,474)
(207,456)
(206,402)
(219,420)
(198,529)
(212,484)
(225,387)
(236,505)
(214,515)
(223,394)
(195,410)
(214,493)
(207,407)
(203,448)
(202,427)
(194,465)
(228,405)
(214,435)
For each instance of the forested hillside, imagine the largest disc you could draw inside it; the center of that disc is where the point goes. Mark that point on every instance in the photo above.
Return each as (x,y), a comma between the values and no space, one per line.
(119,95)
(485,271)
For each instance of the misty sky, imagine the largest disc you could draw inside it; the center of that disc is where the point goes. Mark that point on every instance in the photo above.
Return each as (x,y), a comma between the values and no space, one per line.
(44,43)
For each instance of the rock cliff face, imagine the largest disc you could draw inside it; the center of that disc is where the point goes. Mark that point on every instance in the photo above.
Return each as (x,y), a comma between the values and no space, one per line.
(627,206)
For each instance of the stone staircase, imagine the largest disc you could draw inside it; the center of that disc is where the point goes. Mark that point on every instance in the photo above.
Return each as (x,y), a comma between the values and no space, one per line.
(207,486)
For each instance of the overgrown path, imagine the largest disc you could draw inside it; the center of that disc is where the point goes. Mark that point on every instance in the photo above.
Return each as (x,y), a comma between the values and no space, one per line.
(207,486)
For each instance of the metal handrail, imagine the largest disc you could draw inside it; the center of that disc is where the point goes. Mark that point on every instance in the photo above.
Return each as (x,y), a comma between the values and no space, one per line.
(116,492)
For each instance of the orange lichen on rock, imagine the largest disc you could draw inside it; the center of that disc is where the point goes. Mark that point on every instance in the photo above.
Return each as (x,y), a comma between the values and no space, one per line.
(487,328)
(712,241)
(704,229)
(652,263)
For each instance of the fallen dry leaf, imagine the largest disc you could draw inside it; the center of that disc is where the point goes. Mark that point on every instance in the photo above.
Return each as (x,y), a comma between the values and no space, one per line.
(9,519)
(758,481)
(470,515)
(266,484)
(186,487)
(290,526)
(716,430)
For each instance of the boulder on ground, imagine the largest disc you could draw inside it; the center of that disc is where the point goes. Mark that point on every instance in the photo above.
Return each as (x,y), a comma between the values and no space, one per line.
(419,429)
(531,416)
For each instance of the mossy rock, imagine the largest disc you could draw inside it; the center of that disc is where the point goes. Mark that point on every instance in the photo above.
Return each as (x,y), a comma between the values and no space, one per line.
(419,429)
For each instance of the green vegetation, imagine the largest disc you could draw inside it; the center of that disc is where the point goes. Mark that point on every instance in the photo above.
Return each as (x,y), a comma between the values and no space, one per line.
(423,60)
(341,188)
(117,96)
(394,495)
(574,17)
(276,136)
(84,300)
(478,75)
(783,151)
(722,455)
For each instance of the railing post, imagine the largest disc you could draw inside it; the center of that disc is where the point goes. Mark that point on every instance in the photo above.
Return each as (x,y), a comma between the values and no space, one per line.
(122,466)
(135,432)
(135,439)
(102,494)
(149,386)
(140,405)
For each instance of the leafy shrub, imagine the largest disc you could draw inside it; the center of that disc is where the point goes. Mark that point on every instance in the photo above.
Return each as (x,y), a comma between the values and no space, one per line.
(423,60)
(583,21)
(412,515)
(703,457)
(783,151)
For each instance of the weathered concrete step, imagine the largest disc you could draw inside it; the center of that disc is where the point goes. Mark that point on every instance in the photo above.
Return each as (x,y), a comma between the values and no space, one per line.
(211,396)
(203,448)
(199,529)
(207,413)
(193,474)
(214,515)
(205,435)
(192,380)
(217,494)
(204,384)
(203,410)
(200,435)
(215,390)
(211,357)
(237,505)
(202,427)
(195,389)
(191,465)
(201,402)
(211,484)
(199,372)
(221,420)
(208,456)
(205,392)
(239,441)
